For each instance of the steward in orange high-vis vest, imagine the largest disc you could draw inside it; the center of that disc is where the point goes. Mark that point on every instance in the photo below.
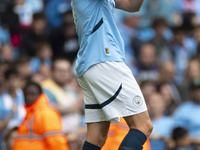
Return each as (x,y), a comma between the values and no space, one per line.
(116,134)
(41,128)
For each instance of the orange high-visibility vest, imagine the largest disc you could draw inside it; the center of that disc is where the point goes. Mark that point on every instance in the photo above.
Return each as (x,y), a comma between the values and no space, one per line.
(116,134)
(41,128)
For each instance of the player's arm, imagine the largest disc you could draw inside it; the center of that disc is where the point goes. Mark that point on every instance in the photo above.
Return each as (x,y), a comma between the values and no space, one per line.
(129,5)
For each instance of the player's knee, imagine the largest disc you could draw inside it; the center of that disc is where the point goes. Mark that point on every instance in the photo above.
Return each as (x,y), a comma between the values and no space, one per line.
(146,128)
(98,140)
(102,140)
(149,128)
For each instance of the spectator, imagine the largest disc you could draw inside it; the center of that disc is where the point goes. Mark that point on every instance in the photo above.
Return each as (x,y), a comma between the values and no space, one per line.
(10,137)
(192,72)
(64,39)
(36,34)
(3,5)
(61,76)
(38,78)
(4,65)
(68,17)
(62,96)
(190,20)
(167,75)
(155,8)
(148,87)
(167,72)
(4,34)
(160,40)
(6,53)
(129,34)
(182,140)
(197,33)
(10,21)
(43,56)
(169,98)
(187,114)
(23,66)
(25,13)
(163,125)
(193,69)
(36,5)
(147,67)
(45,71)
(54,11)
(183,49)
(12,100)
(183,6)
(41,128)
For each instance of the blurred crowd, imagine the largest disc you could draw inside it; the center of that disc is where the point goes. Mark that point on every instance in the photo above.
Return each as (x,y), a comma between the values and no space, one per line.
(38,42)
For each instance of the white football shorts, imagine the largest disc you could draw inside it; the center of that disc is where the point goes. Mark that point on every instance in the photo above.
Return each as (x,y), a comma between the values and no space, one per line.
(110,92)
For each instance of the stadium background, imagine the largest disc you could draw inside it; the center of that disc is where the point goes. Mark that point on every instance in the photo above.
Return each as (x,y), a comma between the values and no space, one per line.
(162,44)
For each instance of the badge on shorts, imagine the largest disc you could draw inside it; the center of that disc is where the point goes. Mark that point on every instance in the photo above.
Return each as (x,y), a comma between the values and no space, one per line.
(137,101)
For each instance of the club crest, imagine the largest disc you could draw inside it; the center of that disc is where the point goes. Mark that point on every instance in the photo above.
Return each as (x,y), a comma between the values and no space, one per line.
(137,101)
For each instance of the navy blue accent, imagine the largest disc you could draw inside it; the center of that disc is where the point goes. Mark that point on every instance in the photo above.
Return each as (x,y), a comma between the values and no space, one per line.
(89,146)
(100,106)
(134,140)
(112,98)
(92,106)
(97,26)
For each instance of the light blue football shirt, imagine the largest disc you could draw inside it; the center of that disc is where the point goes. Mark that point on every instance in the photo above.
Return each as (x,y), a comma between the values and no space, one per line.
(99,38)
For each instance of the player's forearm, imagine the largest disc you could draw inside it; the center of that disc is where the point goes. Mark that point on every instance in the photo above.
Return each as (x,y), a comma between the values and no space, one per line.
(129,5)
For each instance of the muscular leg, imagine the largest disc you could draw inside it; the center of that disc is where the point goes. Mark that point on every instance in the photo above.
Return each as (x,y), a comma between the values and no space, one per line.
(140,122)
(140,129)
(97,133)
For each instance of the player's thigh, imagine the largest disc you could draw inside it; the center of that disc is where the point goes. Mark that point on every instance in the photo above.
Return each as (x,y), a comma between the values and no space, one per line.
(91,115)
(88,95)
(116,91)
(141,122)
